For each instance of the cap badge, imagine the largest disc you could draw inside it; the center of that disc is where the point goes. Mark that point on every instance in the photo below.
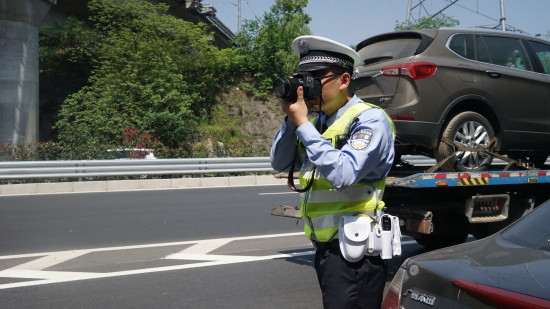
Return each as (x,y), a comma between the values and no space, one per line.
(303,46)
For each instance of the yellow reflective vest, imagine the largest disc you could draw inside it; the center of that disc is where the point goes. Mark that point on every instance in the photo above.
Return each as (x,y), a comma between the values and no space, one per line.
(322,205)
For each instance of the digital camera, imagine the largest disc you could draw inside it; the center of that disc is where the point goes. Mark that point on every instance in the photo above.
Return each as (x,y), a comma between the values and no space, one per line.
(286,88)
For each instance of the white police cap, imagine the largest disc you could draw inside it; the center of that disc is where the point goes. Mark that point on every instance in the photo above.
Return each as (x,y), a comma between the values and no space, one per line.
(318,53)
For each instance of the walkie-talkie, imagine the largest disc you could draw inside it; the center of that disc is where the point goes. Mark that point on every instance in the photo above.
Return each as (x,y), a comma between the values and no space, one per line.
(386,238)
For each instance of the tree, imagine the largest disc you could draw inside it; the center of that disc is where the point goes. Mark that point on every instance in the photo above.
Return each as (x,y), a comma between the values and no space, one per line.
(436,22)
(266,42)
(66,53)
(152,72)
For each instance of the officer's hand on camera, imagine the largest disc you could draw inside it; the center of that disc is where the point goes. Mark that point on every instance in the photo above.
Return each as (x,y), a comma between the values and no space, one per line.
(296,111)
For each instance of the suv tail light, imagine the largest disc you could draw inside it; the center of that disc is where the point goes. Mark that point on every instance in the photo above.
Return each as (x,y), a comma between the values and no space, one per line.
(415,70)
(500,298)
(401,117)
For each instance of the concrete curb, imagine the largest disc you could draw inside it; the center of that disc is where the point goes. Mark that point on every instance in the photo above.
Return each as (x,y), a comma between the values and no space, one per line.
(144,184)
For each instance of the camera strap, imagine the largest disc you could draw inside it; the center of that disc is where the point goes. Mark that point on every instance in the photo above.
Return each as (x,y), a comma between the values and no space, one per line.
(290,180)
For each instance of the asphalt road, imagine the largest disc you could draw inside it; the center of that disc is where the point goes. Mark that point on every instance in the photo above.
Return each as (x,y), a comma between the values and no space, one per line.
(189,248)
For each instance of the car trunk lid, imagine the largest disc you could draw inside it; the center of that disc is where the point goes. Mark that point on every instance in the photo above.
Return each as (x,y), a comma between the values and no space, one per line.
(380,56)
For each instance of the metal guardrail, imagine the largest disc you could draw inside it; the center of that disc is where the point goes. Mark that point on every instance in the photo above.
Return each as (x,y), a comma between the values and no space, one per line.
(135,167)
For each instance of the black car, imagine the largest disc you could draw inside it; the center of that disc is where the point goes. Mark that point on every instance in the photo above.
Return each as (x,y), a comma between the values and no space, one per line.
(510,269)
(461,94)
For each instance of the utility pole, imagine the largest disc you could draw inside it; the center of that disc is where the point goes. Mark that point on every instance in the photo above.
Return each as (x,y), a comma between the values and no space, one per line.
(409,14)
(502,17)
(239,17)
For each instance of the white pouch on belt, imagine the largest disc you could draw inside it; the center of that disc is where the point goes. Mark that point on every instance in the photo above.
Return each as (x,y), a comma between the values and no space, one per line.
(353,234)
(375,240)
(396,241)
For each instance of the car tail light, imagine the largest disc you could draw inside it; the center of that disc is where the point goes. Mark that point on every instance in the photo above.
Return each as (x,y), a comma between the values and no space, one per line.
(401,117)
(392,299)
(415,70)
(500,298)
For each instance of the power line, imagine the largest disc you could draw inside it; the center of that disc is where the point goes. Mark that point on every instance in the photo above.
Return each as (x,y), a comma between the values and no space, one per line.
(420,8)
(226,8)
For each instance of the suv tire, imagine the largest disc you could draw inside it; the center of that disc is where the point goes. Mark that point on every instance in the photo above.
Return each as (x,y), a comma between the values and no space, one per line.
(468,129)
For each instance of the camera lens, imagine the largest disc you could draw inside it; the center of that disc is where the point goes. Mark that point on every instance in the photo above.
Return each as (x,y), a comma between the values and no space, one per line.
(281,87)
(286,88)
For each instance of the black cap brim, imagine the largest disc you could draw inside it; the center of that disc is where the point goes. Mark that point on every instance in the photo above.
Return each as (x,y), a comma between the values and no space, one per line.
(310,67)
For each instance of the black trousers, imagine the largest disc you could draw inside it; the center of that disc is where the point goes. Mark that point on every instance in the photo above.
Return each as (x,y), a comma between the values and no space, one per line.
(349,285)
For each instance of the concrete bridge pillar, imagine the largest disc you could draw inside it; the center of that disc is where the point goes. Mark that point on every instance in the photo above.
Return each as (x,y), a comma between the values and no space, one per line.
(19,22)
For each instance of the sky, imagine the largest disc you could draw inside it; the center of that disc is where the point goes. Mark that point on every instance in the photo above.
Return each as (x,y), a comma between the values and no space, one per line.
(351,21)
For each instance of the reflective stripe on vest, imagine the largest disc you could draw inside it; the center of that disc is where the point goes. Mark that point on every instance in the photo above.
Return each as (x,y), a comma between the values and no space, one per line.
(322,205)
(329,221)
(348,195)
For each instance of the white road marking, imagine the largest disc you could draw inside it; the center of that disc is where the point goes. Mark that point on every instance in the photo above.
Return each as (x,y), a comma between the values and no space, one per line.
(206,246)
(59,277)
(229,259)
(51,260)
(48,275)
(166,244)
(276,193)
(197,252)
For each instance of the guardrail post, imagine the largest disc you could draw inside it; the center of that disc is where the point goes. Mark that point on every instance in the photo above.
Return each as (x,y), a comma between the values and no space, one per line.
(79,178)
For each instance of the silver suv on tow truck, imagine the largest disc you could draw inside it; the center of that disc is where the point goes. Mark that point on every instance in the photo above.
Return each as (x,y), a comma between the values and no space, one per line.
(461,96)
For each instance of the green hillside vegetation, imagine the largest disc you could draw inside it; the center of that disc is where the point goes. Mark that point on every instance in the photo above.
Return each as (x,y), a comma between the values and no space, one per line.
(132,67)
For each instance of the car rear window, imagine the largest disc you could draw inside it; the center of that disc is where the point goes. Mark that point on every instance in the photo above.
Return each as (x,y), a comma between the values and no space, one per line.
(463,45)
(393,48)
(533,231)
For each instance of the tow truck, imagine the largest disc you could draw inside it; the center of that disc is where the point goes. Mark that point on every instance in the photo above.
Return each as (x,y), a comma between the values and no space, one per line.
(440,209)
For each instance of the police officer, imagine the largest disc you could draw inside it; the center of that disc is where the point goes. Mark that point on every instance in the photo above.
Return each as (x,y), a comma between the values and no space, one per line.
(342,167)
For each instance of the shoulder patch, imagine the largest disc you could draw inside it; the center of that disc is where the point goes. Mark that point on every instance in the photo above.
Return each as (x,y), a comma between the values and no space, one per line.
(361,139)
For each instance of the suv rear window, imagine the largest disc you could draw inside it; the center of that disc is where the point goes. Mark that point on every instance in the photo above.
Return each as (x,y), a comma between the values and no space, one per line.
(463,45)
(393,48)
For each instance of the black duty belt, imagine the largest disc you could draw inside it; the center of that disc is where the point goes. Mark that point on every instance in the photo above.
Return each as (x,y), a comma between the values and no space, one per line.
(324,246)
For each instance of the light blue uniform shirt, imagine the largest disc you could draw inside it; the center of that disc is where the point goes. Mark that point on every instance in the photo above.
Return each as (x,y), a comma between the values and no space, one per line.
(342,168)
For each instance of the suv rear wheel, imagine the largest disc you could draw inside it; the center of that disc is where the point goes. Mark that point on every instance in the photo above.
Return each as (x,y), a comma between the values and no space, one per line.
(468,129)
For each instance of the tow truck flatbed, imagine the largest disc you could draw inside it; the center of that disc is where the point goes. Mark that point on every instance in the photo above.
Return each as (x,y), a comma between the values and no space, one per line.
(431,180)
(443,208)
